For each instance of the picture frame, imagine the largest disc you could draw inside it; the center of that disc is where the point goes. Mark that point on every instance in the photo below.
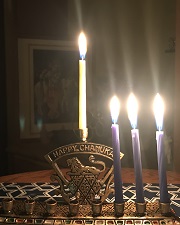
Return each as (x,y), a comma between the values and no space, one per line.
(48,86)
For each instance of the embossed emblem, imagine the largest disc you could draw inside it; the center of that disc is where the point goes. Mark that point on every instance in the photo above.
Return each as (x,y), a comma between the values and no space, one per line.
(83,170)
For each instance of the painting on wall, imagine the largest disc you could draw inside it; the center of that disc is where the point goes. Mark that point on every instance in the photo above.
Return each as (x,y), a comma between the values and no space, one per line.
(48,86)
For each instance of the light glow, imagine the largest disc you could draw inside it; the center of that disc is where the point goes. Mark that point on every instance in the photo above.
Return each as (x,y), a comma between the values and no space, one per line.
(132,108)
(158,107)
(82,45)
(114,108)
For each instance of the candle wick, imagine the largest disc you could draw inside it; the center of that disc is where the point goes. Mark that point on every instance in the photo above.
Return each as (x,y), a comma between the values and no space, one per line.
(133,126)
(114,121)
(159,128)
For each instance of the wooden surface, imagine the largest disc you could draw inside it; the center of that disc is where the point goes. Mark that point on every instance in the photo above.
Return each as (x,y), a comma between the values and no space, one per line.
(149,176)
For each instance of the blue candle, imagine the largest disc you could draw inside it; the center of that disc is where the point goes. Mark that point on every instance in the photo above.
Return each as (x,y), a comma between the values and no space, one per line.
(132,114)
(159,111)
(137,165)
(116,151)
(164,197)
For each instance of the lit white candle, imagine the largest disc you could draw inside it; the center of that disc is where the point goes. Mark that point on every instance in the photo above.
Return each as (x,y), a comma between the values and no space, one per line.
(132,107)
(159,113)
(82,82)
(115,108)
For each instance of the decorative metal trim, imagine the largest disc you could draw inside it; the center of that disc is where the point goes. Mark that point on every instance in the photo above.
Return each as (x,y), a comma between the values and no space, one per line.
(85,211)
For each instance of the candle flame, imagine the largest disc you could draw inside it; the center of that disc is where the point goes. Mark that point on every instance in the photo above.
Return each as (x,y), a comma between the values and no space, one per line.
(132,108)
(158,111)
(82,45)
(114,108)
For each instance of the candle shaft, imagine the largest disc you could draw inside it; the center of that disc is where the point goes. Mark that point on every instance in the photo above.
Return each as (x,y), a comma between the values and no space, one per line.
(82,94)
(164,197)
(117,164)
(137,166)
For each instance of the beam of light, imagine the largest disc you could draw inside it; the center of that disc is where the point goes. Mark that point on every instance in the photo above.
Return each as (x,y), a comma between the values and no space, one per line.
(132,108)
(82,45)
(158,107)
(114,108)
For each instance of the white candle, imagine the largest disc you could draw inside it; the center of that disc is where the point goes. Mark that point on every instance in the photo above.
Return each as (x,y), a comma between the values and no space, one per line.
(159,113)
(132,107)
(82,82)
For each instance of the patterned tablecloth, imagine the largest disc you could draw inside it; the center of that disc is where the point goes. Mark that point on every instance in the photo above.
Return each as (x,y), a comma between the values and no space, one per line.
(46,191)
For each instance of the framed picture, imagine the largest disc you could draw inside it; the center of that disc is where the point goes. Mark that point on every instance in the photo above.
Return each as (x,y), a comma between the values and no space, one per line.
(48,86)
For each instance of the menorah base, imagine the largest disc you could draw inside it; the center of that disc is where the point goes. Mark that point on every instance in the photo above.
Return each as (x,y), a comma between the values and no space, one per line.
(85,215)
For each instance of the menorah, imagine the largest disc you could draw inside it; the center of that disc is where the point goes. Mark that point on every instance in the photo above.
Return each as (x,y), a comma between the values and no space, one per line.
(84,172)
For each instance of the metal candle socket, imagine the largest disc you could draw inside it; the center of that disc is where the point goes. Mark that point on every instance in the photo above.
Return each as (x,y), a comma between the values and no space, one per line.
(140,208)
(119,209)
(96,207)
(73,208)
(83,134)
(164,208)
(7,204)
(29,206)
(51,206)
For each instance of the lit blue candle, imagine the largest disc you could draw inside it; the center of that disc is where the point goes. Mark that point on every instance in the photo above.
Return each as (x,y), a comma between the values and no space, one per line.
(132,107)
(115,107)
(159,112)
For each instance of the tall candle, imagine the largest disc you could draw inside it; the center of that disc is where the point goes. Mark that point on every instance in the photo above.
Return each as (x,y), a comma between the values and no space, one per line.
(114,107)
(132,107)
(82,82)
(159,112)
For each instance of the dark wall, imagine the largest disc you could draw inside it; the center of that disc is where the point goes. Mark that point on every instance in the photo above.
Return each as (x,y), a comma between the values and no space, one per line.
(42,19)
(34,20)
(3,116)
(126,44)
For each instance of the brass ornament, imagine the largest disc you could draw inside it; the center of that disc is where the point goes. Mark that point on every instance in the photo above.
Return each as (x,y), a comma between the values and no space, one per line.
(89,171)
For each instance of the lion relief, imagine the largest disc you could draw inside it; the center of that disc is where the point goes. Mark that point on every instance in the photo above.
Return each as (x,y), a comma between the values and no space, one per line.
(78,168)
